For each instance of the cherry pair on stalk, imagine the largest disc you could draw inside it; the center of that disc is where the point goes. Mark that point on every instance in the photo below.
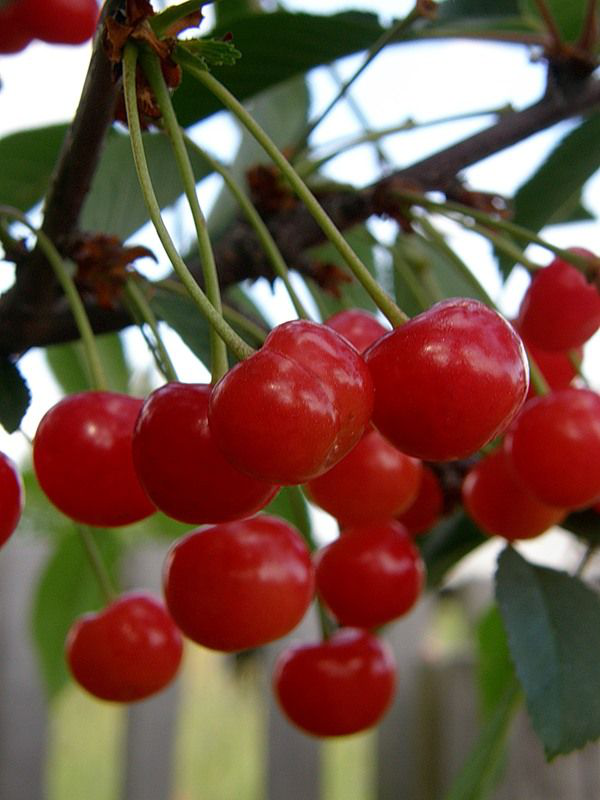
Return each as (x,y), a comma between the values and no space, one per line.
(54,21)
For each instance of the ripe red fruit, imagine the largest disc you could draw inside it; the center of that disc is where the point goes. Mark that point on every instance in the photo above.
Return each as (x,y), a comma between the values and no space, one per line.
(83,460)
(179,466)
(360,327)
(561,309)
(427,507)
(11,497)
(14,35)
(240,584)
(373,482)
(59,21)
(555,365)
(295,407)
(448,381)
(337,687)
(501,505)
(371,575)
(554,447)
(126,652)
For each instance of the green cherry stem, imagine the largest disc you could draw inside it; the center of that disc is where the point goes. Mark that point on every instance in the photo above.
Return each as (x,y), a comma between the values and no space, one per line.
(236,344)
(143,311)
(383,301)
(67,283)
(151,67)
(98,566)
(263,234)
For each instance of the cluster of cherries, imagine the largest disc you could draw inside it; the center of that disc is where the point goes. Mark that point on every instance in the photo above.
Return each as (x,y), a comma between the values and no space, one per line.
(351,411)
(54,21)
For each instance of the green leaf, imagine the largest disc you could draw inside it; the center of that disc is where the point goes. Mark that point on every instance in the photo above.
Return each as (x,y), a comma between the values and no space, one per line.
(212,52)
(66,589)
(182,314)
(115,204)
(68,364)
(482,16)
(553,625)
(554,189)
(448,542)
(479,773)
(568,15)
(276,47)
(495,671)
(27,159)
(14,395)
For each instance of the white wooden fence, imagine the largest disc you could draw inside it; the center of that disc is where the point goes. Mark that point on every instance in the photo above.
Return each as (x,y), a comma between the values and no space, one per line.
(420,745)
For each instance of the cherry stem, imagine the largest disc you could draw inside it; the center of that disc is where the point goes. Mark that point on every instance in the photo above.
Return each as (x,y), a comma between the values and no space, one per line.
(142,312)
(235,343)
(326,624)
(151,67)
(336,148)
(96,563)
(372,52)
(549,21)
(263,234)
(451,210)
(383,301)
(67,283)
(536,376)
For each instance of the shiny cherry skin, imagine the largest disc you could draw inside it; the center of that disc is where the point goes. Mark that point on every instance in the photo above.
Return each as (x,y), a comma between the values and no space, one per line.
(375,481)
(59,21)
(554,447)
(239,584)
(295,407)
(338,687)
(180,468)
(427,507)
(342,371)
(370,575)
(448,381)
(359,326)
(128,651)
(11,497)
(501,505)
(14,34)
(560,309)
(82,455)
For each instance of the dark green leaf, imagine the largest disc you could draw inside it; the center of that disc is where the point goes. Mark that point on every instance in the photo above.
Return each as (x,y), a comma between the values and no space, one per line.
(182,314)
(555,187)
(27,159)
(585,524)
(66,589)
(14,395)
(212,52)
(495,671)
(574,211)
(276,47)
(68,364)
(568,15)
(553,625)
(482,16)
(448,542)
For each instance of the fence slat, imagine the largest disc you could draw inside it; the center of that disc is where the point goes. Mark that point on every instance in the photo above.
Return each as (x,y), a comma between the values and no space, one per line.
(23,714)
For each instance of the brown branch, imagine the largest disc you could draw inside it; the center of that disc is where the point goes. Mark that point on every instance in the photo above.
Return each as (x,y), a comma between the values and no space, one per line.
(30,315)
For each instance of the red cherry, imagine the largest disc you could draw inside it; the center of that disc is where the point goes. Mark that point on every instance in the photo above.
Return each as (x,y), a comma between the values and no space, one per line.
(427,507)
(341,369)
(180,468)
(371,575)
(11,497)
(448,381)
(554,447)
(373,482)
(83,460)
(555,365)
(560,310)
(240,584)
(126,652)
(14,35)
(360,327)
(59,21)
(501,505)
(295,407)
(337,687)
